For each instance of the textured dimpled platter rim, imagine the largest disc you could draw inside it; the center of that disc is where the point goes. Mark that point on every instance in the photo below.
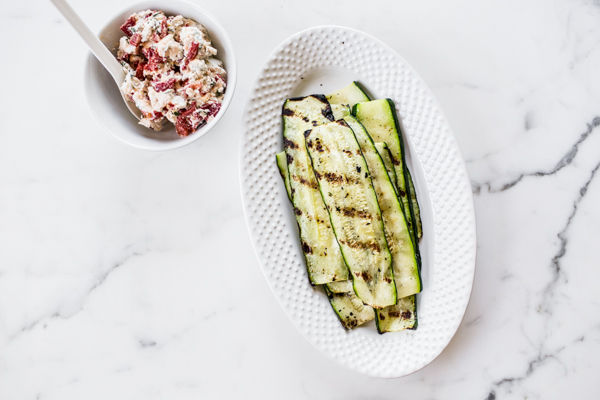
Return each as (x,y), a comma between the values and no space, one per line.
(320,60)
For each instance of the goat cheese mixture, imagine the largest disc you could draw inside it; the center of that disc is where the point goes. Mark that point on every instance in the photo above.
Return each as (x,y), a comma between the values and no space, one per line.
(171,71)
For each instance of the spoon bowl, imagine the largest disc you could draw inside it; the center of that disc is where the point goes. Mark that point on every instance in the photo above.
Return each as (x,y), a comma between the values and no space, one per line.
(105,99)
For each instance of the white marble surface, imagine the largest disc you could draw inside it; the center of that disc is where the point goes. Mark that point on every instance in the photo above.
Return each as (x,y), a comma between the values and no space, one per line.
(130,275)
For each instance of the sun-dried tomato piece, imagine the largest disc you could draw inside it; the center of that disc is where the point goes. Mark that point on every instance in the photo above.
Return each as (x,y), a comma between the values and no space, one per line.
(163,28)
(151,54)
(212,109)
(193,51)
(153,59)
(191,54)
(155,38)
(189,110)
(150,66)
(183,126)
(128,24)
(162,86)
(157,115)
(135,40)
(139,71)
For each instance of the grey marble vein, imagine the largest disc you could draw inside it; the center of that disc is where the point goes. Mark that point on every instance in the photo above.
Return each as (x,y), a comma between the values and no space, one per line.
(532,366)
(555,266)
(57,315)
(109,271)
(562,237)
(563,162)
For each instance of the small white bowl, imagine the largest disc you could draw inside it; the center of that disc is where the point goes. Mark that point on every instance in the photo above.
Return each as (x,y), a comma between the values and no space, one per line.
(103,95)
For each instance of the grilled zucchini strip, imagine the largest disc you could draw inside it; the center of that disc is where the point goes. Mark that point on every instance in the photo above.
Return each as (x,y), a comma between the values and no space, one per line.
(324,259)
(379,119)
(398,317)
(344,99)
(350,309)
(347,190)
(397,234)
(349,95)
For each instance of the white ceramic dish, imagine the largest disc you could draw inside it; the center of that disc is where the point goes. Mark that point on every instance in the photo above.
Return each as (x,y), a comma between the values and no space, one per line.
(320,60)
(106,103)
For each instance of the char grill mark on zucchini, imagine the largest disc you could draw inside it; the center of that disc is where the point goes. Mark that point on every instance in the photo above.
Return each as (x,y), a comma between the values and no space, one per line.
(324,260)
(397,233)
(345,184)
(398,317)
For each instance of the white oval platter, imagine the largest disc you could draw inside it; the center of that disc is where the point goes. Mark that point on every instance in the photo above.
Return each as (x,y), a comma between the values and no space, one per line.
(321,60)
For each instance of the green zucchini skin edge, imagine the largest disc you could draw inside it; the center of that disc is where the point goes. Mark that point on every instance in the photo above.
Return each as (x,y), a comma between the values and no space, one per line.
(415,204)
(384,152)
(362,89)
(416,325)
(284,172)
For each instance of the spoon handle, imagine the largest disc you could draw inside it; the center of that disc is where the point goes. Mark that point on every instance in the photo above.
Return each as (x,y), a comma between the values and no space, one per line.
(96,46)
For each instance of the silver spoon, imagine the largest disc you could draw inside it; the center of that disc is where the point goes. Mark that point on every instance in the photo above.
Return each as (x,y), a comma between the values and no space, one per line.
(98,48)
